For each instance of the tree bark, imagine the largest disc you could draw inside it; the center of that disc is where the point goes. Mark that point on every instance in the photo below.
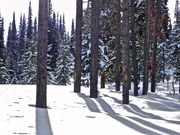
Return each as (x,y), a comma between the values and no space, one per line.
(94,48)
(41,83)
(103,80)
(125,52)
(78,48)
(118,47)
(154,62)
(146,52)
(134,52)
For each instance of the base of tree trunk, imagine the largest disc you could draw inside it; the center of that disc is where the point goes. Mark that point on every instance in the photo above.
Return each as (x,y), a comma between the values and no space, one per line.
(103,80)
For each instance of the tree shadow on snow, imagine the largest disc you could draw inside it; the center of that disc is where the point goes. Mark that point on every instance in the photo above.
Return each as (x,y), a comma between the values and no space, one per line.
(110,112)
(90,103)
(138,111)
(43,125)
(129,122)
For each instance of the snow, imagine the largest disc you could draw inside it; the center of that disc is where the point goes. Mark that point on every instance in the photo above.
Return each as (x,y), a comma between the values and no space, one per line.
(69,113)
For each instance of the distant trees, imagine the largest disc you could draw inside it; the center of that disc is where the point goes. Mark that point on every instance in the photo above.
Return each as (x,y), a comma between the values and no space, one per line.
(108,40)
(173,57)
(4,76)
(134,48)
(29,23)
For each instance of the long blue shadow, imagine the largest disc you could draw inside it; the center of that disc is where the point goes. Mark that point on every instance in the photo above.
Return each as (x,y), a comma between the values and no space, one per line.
(43,125)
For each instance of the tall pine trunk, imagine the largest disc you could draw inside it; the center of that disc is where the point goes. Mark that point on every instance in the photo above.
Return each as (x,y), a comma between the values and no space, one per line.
(146,52)
(125,52)
(134,52)
(95,13)
(154,62)
(42,55)
(78,48)
(103,80)
(118,47)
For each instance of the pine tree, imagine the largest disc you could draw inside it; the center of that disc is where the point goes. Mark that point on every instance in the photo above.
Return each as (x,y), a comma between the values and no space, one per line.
(78,48)
(72,43)
(173,46)
(154,61)
(55,41)
(125,52)
(22,33)
(35,27)
(29,63)
(95,15)
(118,46)
(63,71)
(86,53)
(134,49)
(146,52)
(30,23)
(4,76)
(41,100)
(1,37)
(14,51)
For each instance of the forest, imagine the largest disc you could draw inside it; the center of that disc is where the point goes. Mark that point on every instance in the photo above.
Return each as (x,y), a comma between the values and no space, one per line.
(125,46)
(146,50)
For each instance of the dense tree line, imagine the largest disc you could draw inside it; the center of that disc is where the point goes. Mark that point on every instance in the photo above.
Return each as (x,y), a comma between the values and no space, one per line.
(19,55)
(118,41)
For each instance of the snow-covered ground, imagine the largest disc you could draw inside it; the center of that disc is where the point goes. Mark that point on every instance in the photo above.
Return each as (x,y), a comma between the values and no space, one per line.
(76,114)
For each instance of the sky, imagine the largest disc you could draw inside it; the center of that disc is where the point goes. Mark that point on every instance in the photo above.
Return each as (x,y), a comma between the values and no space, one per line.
(68,7)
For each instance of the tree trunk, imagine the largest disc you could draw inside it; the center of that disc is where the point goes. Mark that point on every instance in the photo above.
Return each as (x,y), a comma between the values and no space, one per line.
(154,62)
(134,53)
(125,52)
(103,80)
(146,52)
(118,47)
(94,48)
(78,48)
(42,55)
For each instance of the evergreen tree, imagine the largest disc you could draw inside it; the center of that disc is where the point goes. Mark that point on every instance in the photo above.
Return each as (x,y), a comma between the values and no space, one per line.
(86,53)
(22,34)
(41,100)
(95,15)
(29,63)
(173,46)
(146,51)
(118,55)
(78,48)
(63,71)
(1,37)
(72,43)
(154,59)
(35,27)
(53,52)
(30,23)
(14,53)
(125,53)
(4,76)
